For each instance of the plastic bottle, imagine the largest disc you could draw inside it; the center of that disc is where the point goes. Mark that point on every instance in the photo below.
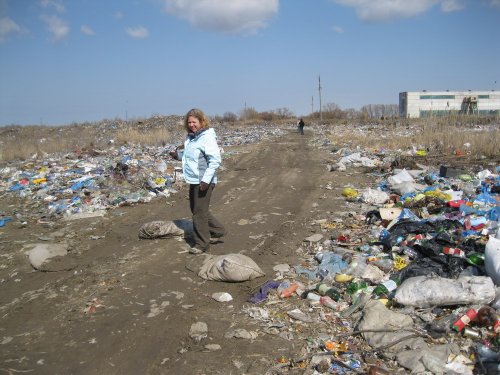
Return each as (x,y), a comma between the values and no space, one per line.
(313,297)
(287,292)
(385,264)
(161,166)
(385,288)
(464,320)
(375,370)
(329,302)
(327,290)
(467,223)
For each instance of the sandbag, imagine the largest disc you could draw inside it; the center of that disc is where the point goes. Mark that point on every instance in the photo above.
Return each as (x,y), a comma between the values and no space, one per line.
(425,291)
(492,259)
(166,229)
(230,267)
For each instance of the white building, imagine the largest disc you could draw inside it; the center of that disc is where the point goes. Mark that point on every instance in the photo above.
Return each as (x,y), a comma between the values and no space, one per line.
(417,104)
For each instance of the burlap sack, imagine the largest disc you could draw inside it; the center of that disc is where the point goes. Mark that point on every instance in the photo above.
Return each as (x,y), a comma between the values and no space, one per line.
(166,229)
(230,267)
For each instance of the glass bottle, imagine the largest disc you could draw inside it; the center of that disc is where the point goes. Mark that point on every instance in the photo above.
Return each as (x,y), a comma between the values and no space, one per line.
(476,259)
(385,288)
(353,287)
(327,290)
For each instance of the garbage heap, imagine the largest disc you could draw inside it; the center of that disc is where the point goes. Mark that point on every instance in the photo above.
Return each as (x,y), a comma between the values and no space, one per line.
(88,182)
(406,282)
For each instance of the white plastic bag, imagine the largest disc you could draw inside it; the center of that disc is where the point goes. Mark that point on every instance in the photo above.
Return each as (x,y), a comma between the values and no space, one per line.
(429,291)
(492,259)
(374,196)
(401,177)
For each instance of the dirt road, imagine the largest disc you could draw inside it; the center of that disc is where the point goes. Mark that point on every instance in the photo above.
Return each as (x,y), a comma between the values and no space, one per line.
(125,305)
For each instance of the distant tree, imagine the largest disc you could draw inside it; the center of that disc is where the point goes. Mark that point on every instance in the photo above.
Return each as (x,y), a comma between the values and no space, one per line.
(332,111)
(268,116)
(229,117)
(380,110)
(351,113)
(284,113)
(249,113)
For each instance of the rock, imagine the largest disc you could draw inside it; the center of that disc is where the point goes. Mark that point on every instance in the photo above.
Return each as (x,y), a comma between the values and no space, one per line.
(41,252)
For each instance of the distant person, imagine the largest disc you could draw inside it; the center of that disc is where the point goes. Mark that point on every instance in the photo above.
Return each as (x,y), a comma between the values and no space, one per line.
(300,125)
(200,155)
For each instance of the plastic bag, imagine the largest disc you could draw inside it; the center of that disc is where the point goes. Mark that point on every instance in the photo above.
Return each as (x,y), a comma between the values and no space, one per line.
(401,177)
(373,196)
(423,291)
(492,259)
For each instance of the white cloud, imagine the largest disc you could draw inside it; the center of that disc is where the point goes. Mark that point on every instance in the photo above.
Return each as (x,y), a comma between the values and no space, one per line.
(118,15)
(241,16)
(8,27)
(138,32)
(495,3)
(338,29)
(452,5)
(384,10)
(57,26)
(87,30)
(57,5)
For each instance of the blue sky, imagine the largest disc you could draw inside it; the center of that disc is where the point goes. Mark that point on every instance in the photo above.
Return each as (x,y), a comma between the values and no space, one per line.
(64,61)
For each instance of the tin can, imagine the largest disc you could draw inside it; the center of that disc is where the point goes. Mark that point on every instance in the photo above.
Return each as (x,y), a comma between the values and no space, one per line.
(472,333)
(464,320)
(454,252)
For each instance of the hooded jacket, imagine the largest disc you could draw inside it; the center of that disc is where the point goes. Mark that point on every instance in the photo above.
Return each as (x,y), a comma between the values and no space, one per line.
(201,157)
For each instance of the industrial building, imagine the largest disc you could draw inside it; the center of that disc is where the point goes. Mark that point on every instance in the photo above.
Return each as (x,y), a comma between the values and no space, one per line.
(418,104)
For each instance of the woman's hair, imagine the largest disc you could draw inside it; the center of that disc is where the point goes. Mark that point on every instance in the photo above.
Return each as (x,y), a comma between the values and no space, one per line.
(198,113)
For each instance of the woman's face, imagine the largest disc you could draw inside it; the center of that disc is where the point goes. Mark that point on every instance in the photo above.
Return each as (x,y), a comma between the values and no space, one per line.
(194,124)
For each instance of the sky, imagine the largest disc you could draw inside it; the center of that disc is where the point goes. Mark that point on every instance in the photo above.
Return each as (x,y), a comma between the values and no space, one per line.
(67,61)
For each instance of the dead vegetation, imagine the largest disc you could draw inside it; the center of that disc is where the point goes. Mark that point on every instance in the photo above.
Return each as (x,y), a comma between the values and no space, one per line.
(431,139)
(476,138)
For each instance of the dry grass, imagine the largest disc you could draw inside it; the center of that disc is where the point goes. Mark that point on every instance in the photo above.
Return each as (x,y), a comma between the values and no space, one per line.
(438,139)
(480,138)
(156,137)
(20,143)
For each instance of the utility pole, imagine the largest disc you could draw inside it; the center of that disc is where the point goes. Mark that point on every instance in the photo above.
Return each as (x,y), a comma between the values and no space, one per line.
(319,89)
(312,104)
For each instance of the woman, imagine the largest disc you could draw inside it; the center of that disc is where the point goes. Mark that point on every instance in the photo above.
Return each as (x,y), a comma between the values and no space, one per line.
(201,158)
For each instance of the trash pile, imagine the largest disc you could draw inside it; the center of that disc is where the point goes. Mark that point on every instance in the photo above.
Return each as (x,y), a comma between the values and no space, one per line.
(410,285)
(86,183)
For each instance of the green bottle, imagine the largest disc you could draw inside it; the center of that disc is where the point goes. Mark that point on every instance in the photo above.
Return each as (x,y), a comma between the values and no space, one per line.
(476,259)
(327,290)
(383,290)
(353,287)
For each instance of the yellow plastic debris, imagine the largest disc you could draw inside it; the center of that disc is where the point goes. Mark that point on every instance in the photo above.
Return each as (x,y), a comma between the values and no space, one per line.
(399,263)
(350,193)
(160,181)
(343,278)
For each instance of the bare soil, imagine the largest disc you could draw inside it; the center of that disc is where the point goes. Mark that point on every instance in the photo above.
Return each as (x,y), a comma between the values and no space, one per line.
(125,305)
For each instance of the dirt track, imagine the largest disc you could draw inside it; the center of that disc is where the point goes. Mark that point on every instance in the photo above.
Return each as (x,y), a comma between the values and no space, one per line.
(126,305)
